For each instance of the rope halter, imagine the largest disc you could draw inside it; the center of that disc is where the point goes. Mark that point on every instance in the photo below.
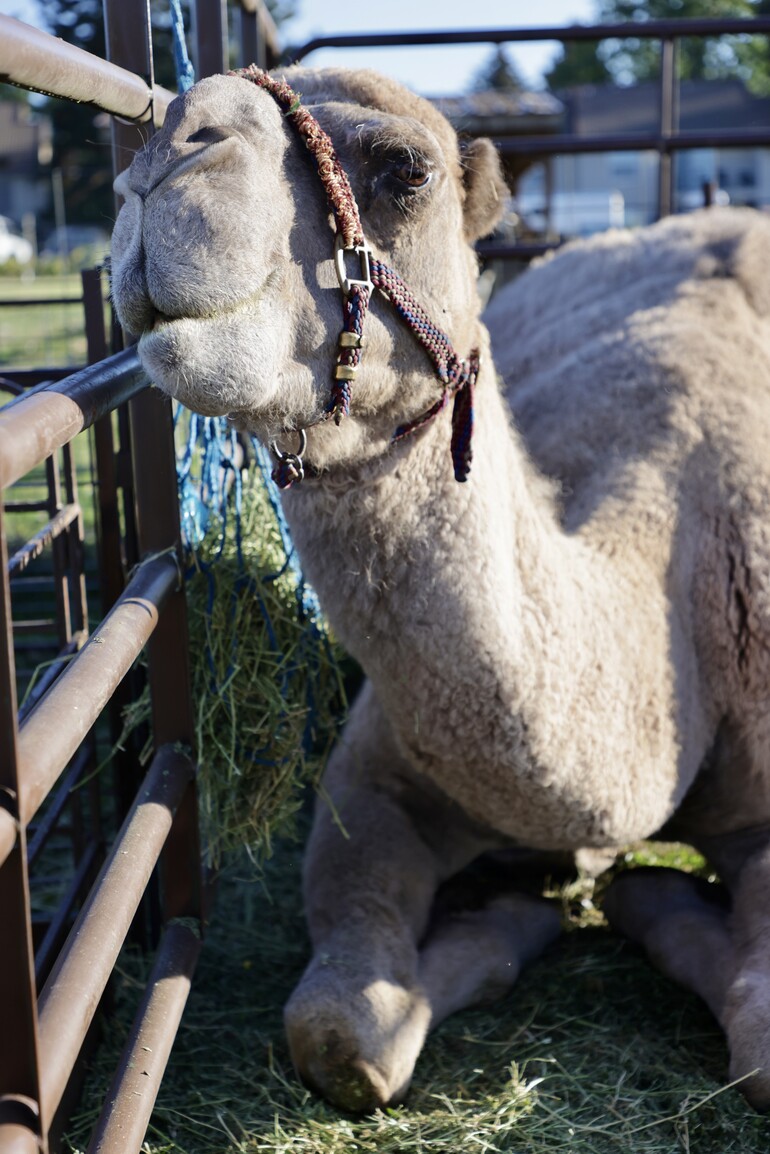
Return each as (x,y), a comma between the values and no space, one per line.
(457,376)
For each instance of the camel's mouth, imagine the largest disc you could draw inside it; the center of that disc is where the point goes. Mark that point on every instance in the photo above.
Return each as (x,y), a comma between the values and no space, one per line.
(161,319)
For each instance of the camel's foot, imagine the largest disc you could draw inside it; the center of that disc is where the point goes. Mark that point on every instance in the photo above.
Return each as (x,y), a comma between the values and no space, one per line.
(354,1042)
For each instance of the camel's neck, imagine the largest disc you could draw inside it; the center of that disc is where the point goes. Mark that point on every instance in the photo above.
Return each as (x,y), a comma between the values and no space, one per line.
(492,638)
(401,544)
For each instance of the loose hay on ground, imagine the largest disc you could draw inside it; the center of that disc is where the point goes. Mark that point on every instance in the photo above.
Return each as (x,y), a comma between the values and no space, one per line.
(592,1053)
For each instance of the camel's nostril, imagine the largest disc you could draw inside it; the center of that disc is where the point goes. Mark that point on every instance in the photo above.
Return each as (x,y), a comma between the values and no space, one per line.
(212,134)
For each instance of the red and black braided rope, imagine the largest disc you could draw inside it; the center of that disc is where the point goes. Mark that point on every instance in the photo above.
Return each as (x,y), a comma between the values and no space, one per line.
(457,376)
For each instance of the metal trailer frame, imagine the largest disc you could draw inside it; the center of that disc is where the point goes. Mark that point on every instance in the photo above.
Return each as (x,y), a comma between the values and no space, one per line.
(45,747)
(666,141)
(52,989)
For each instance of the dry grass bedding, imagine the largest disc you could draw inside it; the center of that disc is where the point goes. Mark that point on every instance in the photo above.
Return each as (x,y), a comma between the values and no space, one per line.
(592,1052)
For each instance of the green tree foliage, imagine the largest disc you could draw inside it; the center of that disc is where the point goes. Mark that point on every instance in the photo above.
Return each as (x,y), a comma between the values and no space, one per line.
(498,72)
(81,134)
(578,63)
(699,58)
(633,61)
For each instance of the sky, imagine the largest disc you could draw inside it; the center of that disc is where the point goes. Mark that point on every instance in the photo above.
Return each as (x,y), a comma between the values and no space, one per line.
(430,71)
(435,71)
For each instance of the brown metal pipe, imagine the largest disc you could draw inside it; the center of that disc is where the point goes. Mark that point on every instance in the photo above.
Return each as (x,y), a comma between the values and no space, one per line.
(268,32)
(17,1139)
(19,1125)
(30,58)
(564,143)
(7,839)
(642,30)
(32,427)
(211,37)
(57,726)
(128,1105)
(71,995)
(33,548)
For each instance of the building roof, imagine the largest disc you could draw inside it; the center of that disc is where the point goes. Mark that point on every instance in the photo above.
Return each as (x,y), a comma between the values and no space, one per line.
(502,113)
(25,137)
(594,109)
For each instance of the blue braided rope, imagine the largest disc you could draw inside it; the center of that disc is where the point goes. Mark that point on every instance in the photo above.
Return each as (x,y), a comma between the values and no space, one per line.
(185,73)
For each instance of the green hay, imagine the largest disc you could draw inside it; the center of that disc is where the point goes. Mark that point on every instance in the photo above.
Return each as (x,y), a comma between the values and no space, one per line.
(266,686)
(593,1052)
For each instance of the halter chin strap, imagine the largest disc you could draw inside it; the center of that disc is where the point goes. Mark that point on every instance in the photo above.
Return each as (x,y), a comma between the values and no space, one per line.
(457,376)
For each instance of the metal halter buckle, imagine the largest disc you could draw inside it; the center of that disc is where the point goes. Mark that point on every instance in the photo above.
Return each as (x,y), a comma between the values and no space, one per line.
(363,252)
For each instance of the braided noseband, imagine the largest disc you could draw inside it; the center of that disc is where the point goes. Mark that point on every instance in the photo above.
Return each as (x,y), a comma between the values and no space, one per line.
(457,376)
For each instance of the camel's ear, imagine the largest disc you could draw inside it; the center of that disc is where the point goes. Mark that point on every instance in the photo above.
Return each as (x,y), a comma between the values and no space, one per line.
(485,188)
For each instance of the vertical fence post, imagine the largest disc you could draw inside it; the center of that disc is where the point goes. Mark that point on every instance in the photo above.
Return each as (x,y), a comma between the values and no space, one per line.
(19,1070)
(129,44)
(251,45)
(668,84)
(211,37)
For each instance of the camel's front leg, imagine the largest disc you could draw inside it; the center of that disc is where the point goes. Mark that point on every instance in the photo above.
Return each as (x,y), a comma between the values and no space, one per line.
(359,1016)
(721,953)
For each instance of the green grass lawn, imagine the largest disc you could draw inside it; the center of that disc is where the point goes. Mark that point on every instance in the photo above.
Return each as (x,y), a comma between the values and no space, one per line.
(48,336)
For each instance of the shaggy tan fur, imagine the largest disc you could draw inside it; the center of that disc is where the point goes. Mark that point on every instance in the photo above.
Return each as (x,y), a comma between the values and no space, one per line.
(571,650)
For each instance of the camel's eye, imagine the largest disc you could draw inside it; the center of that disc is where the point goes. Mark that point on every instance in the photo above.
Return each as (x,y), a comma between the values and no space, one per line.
(411,175)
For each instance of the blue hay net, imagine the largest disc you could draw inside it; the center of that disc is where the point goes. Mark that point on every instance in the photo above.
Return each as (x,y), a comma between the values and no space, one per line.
(209,477)
(210,461)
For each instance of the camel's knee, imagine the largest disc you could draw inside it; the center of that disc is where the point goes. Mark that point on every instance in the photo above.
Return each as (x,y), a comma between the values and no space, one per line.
(355,1041)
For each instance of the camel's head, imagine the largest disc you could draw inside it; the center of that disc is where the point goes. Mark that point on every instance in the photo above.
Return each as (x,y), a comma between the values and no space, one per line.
(222,253)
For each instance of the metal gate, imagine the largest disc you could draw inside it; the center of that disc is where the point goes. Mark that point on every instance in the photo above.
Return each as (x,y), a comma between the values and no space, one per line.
(52,987)
(53,982)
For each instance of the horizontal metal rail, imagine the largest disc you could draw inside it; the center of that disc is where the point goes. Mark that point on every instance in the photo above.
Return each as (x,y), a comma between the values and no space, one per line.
(34,625)
(37,838)
(71,995)
(637,142)
(38,301)
(36,545)
(642,30)
(17,1138)
(57,929)
(56,727)
(526,250)
(7,834)
(128,1105)
(27,506)
(32,427)
(40,62)
(53,670)
(25,379)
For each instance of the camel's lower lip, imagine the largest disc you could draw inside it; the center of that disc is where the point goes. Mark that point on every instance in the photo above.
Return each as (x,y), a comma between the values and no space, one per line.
(224,310)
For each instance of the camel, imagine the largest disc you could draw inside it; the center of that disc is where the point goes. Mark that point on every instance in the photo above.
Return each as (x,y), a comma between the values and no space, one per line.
(567,650)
